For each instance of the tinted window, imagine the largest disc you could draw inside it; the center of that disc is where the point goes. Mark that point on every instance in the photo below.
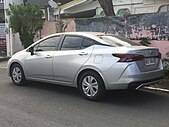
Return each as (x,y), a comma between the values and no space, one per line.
(49,44)
(72,43)
(86,43)
(118,41)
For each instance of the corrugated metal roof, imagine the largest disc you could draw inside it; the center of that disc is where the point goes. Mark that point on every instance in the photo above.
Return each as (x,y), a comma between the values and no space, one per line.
(44,3)
(68,5)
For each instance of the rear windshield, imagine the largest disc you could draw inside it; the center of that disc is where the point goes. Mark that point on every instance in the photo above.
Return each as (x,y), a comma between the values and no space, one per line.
(118,41)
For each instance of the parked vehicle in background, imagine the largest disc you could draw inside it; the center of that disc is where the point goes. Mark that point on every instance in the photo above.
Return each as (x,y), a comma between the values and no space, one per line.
(93,62)
(2,45)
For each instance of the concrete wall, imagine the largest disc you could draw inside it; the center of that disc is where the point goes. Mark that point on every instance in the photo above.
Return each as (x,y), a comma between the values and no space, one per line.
(9,36)
(154,26)
(52,27)
(17,44)
(48,28)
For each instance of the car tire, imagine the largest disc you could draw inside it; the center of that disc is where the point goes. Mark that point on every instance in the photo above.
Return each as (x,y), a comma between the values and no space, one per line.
(92,86)
(17,75)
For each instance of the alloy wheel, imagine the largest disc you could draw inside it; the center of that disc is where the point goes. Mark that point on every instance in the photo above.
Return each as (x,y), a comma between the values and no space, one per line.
(90,86)
(16,74)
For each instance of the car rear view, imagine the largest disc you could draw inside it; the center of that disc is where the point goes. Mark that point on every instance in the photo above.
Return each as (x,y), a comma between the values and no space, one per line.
(138,66)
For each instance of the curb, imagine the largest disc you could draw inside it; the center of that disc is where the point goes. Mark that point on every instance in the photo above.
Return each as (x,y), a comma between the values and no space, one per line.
(158,89)
(4,59)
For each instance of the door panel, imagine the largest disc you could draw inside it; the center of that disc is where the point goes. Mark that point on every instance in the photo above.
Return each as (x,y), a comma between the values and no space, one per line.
(66,64)
(39,65)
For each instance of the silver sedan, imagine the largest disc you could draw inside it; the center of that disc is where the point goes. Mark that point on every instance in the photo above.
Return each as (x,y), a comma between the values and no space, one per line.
(93,62)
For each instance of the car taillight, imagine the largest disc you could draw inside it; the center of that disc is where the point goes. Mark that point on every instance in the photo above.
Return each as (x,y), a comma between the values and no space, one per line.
(128,57)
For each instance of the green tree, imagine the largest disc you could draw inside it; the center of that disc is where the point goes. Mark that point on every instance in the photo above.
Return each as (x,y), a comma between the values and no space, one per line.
(26,19)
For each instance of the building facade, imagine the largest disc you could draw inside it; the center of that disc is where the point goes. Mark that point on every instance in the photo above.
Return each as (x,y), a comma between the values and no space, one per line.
(2,29)
(90,8)
(12,43)
(121,7)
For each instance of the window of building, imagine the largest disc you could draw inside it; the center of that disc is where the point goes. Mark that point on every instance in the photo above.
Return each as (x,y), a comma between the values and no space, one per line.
(102,14)
(123,12)
(164,8)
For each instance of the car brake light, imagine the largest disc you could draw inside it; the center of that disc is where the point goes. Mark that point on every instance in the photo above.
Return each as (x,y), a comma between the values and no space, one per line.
(128,57)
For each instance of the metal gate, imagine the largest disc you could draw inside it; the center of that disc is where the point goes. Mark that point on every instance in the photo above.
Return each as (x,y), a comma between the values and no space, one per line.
(2,39)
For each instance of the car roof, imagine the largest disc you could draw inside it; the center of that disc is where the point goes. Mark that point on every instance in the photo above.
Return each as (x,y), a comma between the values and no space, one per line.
(92,35)
(79,33)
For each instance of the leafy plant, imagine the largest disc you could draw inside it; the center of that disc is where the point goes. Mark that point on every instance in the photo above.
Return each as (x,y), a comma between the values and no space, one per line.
(26,19)
(166,67)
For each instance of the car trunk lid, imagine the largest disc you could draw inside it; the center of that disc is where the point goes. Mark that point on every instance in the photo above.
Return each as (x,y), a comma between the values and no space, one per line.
(151,58)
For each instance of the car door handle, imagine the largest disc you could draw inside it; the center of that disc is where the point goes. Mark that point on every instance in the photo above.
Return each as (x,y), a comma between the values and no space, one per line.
(83,53)
(48,56)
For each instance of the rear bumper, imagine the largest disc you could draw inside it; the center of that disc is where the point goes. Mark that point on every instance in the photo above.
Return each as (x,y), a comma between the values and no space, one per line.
(140,84)
(131,77)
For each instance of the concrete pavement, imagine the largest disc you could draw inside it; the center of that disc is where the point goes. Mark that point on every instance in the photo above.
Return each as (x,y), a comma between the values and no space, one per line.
(44,105)
(3,57)
(3,64)
(3,60)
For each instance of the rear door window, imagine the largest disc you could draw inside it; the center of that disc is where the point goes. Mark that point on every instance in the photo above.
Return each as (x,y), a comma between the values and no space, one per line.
(86,43)
(72,43)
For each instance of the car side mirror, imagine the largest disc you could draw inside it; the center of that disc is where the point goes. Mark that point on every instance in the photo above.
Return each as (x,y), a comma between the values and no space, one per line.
(31,50)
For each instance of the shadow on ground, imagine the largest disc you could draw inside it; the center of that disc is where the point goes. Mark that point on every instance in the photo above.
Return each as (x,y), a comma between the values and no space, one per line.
(118,97)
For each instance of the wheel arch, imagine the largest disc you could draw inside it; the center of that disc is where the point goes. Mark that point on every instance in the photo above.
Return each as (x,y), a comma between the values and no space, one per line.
(88,69)
(13,63)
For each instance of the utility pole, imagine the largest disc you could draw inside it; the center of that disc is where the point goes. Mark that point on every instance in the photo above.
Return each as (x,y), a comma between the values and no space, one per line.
(55,5)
